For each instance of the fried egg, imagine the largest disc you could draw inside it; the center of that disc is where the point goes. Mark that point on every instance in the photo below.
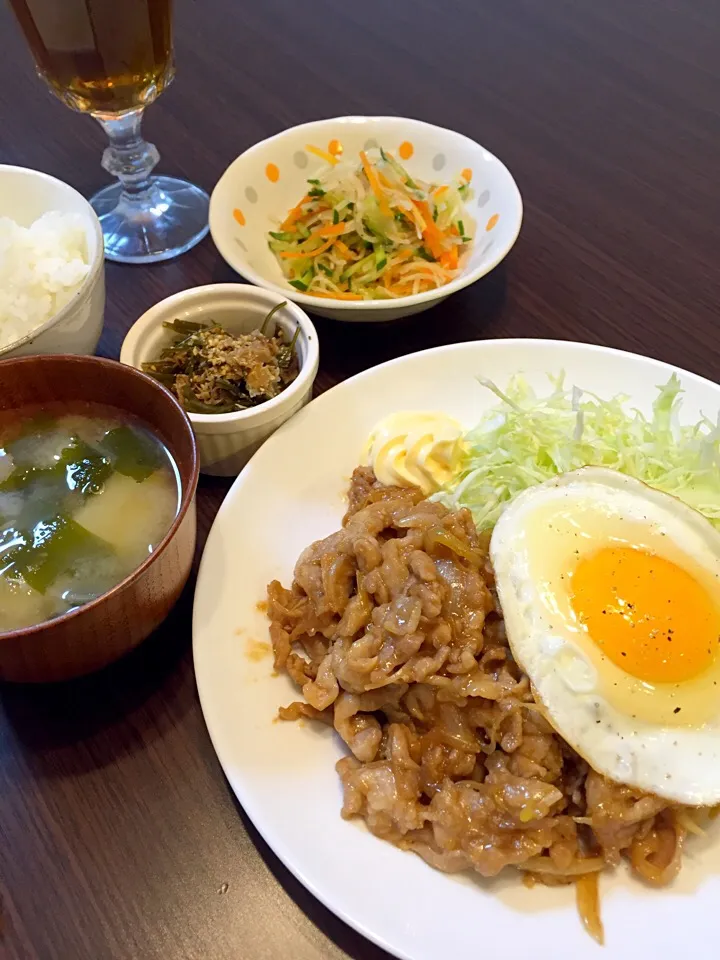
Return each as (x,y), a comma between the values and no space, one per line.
(610,591)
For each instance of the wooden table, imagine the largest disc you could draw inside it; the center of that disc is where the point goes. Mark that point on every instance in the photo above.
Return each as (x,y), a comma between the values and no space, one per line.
(119,837)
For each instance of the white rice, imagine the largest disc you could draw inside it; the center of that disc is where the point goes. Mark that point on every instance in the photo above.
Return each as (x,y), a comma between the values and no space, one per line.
(41,268)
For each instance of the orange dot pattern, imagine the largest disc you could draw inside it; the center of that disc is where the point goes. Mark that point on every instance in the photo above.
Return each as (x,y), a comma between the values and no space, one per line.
(334,150)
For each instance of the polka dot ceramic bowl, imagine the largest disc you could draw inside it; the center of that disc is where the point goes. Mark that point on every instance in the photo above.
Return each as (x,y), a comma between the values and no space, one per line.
(258,189)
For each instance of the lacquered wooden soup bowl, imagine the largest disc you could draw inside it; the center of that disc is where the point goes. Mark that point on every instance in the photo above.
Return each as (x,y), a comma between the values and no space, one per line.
(101,631)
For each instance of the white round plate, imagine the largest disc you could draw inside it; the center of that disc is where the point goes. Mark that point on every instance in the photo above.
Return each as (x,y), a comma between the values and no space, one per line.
(290,494)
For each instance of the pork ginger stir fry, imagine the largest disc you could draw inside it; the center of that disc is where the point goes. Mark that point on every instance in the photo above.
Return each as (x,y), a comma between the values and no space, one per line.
(392,631)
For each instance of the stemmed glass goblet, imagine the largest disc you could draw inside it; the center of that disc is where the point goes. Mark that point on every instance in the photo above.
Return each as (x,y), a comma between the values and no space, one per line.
(111,58)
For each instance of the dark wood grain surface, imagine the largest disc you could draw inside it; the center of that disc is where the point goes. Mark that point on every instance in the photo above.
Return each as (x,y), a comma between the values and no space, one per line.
(119,837)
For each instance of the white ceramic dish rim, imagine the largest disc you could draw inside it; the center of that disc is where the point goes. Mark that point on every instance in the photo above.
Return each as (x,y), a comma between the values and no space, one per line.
(95,267)
(459,283)
(307,371)
(243,792)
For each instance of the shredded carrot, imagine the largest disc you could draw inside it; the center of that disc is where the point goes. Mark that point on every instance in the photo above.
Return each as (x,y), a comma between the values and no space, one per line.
(323,154)
(295,213)
(335,296)
(426,272)
(427,217)
(310,215)
(439,192)
(287,255)
(375,184)
(414,215)
(401,187)
(344,250)
(406,288)
(432,236)
(449,260)
(332,230)
(404,255)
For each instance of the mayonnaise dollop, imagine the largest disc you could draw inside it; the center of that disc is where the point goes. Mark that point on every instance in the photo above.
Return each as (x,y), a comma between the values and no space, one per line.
(415,449)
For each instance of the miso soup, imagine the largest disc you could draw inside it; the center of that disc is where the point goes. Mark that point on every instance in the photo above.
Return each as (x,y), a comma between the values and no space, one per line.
(86,494)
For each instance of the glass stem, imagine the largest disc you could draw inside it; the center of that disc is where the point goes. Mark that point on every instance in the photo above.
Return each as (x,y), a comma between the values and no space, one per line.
(129,158)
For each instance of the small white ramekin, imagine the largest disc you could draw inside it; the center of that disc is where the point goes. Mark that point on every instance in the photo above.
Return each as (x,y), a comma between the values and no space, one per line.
(226,441)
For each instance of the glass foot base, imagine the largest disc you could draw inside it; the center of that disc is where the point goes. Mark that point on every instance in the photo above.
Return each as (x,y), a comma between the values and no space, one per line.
(157,224)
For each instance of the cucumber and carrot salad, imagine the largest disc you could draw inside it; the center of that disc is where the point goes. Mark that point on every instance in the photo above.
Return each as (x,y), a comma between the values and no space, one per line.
(372,232)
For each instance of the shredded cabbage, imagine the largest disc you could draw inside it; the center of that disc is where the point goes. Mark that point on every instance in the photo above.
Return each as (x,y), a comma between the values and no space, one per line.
(528,439)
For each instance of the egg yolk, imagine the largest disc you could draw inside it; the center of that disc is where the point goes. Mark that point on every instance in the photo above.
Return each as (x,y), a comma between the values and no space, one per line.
(648,615)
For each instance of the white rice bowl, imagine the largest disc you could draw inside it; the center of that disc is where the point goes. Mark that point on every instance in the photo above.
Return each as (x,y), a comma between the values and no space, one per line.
(41,268)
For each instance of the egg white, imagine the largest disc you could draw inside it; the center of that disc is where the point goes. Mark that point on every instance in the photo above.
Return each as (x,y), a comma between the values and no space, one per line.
(626,729)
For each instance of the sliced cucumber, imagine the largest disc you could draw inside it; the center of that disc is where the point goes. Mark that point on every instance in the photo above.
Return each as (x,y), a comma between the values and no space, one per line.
(356,267)
(380,257)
